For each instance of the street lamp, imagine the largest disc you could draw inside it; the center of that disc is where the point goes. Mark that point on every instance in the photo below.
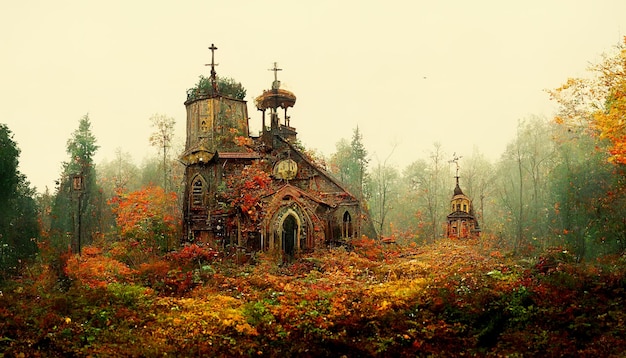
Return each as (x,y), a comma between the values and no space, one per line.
(77,188)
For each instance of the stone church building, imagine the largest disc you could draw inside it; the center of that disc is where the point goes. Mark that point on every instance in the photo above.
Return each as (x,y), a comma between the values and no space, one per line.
(461,222)
(260,192)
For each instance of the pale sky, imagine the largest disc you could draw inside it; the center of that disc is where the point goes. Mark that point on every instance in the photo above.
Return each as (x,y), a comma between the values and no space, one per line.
(407,73)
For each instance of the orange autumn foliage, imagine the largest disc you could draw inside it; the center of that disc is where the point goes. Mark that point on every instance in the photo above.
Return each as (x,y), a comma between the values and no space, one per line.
(96,270)
(148,215)
(610,121)
(598,104)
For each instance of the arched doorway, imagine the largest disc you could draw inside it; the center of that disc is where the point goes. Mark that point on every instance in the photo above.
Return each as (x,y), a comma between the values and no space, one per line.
(346,226)
(289,235)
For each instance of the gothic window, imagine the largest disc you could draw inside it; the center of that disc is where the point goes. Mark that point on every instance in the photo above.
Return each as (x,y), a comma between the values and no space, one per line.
(465,207)
(346,226)
(198,189)
(203,126)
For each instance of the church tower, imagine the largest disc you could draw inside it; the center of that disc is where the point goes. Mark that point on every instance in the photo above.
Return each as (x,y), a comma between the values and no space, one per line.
(461,221)
(214,123)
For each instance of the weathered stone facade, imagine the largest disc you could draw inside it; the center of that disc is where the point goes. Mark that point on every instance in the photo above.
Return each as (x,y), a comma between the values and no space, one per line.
(297,207)
(462,222)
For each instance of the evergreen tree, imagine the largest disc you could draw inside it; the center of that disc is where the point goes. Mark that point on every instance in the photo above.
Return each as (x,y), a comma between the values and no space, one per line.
(81,148)
(349,164)
(18,210)
(339,162)
(359,162)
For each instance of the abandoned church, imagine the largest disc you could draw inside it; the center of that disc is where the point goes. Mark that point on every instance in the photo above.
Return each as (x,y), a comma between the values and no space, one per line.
(259,192)
(461,222)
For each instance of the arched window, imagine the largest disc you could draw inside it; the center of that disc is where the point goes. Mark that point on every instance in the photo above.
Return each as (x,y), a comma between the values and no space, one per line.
(346,225)
(198,189)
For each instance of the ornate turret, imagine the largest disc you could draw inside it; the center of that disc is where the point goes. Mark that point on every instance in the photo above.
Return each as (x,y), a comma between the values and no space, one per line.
(273,99)
(461,221)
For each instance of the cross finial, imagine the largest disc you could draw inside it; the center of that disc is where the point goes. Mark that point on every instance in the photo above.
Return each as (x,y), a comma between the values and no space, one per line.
(275,69)
(455,160)
(213,64)
(276,83)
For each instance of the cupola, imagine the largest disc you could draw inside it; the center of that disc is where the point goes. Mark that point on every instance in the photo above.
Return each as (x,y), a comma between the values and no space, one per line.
(273,99)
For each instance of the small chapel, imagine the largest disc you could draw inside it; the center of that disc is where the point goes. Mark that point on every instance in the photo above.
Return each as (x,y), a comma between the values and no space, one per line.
(289,203)
(461,222)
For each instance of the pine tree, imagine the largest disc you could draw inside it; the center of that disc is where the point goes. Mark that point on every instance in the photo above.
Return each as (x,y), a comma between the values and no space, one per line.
(81,148)
(18,210)
(349,164)
(359,162)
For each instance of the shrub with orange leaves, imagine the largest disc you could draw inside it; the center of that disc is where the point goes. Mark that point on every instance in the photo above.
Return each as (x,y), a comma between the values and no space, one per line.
(149,215)
(96,270)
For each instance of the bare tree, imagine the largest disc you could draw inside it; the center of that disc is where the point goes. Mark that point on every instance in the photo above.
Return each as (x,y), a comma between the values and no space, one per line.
(162,138)
(383,181)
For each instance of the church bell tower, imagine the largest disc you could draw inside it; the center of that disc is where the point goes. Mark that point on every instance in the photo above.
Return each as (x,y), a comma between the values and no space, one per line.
(214,122)
(461,221)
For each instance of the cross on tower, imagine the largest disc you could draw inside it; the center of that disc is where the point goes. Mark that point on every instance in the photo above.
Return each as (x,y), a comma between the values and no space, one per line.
(276,83)
(275,69)
(455,160)
(213,64)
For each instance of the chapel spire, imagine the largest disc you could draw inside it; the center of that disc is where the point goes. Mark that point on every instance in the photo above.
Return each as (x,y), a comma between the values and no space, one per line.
(455,160)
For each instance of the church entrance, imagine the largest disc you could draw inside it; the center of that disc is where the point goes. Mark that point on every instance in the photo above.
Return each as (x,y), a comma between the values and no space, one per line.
(289,235)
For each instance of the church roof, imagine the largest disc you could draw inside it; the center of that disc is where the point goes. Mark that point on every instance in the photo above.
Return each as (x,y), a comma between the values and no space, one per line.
(275,98)
(457,189)
(238,155)
(320,170)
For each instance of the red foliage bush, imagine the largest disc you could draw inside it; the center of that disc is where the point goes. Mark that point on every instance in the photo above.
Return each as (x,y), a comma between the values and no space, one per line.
(193,254)
(153,274)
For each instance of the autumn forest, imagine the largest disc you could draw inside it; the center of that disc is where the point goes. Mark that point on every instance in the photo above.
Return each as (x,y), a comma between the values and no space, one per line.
(96,266)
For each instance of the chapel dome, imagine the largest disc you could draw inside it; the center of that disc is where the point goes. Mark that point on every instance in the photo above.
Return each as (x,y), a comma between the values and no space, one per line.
(275,98)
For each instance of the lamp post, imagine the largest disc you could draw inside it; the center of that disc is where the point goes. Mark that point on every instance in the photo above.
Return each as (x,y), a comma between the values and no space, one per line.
(77,189)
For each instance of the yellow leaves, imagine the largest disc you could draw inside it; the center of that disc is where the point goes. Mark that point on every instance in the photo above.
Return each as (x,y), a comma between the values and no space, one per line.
(598,103)
(209,315)
(383,305)
(398,291)
(246,328)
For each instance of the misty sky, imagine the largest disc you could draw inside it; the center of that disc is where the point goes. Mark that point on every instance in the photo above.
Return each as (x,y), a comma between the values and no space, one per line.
(407,73)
